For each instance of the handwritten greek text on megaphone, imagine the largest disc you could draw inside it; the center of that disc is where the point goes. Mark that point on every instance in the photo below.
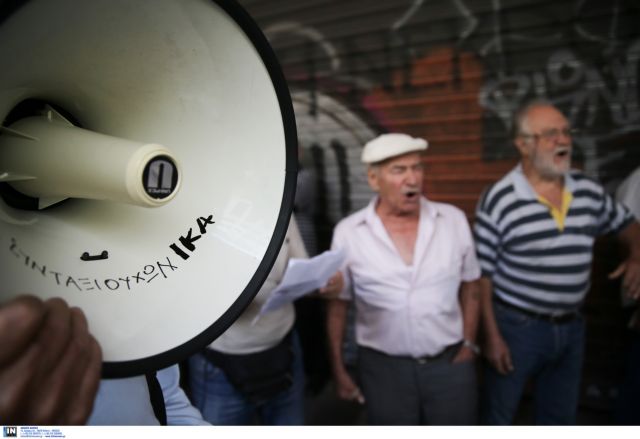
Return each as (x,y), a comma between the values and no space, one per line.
(188,240)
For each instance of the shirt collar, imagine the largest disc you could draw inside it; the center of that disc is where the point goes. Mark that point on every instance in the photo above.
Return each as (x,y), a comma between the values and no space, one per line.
(428,210)
(525,191)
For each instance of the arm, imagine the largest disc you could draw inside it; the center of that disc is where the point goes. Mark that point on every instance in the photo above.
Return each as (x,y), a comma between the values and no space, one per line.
(179,409)
(489,246)
(336,322)
(629,270)
(496,350)
(470,304)
(46,351)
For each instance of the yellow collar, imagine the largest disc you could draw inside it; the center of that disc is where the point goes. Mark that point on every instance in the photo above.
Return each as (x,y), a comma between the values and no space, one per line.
(559,215)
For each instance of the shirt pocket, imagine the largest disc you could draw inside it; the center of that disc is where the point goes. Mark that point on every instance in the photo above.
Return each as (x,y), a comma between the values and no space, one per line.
(380,289)
(439,290)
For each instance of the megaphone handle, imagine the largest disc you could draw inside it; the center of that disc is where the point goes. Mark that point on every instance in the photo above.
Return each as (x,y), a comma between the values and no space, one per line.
(87,257)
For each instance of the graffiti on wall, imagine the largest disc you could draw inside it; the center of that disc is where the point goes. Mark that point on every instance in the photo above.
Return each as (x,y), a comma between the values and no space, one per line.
(454,72)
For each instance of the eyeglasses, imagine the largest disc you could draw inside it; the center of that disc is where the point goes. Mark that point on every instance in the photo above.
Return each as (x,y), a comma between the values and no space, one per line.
(553,134)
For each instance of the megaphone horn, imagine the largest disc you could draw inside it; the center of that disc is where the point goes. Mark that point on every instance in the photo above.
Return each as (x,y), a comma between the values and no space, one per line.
(109,107)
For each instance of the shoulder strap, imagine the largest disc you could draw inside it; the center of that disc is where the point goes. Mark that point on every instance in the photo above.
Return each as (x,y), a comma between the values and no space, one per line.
(157,398)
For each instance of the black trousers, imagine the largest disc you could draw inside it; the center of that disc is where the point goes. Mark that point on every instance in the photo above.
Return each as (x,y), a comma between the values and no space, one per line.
(407,391)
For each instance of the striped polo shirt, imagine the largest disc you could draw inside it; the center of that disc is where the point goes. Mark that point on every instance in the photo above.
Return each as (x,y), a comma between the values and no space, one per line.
(532,263)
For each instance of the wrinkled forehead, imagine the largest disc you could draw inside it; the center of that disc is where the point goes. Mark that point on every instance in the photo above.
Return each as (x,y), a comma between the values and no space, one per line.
(545,117)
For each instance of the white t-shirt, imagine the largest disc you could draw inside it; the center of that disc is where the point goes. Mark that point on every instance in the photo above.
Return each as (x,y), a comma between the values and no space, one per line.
(244,338)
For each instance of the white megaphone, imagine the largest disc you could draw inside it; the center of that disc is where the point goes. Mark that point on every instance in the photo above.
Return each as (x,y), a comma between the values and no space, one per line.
(147,167)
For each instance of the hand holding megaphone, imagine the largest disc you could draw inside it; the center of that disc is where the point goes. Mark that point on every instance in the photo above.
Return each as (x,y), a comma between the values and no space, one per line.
(49,363)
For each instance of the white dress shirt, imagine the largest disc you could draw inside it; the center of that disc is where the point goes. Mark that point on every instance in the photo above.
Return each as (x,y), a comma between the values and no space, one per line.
(407,310)
(629,193)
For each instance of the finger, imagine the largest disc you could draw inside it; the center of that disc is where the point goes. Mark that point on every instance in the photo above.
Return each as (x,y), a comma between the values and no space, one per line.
(338,280)
(329,291)
(505,362)
(344,393)
(461,356)
(81,405)
(618,271)
(631,283)
(54,335)
(17,386)
(20,321)
(500,366)
(508,361)
(335,283)
(633,292)
(356,395)
(65,376)
(331,284)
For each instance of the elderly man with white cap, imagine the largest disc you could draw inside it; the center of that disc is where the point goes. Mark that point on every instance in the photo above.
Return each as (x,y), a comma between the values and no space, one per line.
(412,272)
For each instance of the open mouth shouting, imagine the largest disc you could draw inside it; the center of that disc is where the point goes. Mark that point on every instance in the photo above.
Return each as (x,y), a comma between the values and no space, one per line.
(411,195)
(562,153)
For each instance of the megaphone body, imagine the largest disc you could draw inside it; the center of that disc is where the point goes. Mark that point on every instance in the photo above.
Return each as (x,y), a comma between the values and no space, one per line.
(158,171)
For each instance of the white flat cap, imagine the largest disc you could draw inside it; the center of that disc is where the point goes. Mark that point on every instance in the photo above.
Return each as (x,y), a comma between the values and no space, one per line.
(386,146)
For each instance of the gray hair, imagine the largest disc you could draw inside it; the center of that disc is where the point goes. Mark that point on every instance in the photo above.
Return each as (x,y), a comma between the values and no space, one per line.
(520,116)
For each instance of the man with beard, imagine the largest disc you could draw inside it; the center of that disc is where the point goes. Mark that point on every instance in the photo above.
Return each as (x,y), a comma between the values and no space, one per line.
(534,233)
(412,272)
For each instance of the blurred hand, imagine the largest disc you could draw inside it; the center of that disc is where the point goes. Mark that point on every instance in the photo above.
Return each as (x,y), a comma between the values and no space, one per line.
(333,287)
(630,272)
(497,352)
(346,388)
(49,363)
(464,354)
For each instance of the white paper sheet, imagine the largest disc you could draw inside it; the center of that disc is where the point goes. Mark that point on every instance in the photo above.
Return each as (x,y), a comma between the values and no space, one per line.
(302,277)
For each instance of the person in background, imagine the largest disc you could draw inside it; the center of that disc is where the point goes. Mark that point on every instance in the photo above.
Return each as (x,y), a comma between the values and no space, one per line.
(411,271)
(254,370)
(534,231)
(626,412)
